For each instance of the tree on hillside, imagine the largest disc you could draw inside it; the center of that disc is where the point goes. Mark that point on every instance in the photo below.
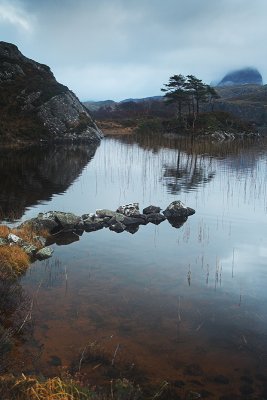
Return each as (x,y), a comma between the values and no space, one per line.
(175,92)
(191,92)
(198,91)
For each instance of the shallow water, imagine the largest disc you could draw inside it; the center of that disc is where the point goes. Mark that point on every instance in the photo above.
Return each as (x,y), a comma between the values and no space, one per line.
(186,306)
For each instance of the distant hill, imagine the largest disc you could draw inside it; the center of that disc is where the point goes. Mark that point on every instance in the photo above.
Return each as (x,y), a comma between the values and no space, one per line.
(141,100)
(34,106)
(111,104)
(248,102)
(244,76)
(95,105)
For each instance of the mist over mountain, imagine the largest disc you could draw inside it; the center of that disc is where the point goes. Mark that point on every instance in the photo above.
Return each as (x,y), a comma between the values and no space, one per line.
(244,76)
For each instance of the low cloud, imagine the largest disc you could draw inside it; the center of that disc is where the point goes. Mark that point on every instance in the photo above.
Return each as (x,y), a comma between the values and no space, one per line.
(116,49)
(13,14)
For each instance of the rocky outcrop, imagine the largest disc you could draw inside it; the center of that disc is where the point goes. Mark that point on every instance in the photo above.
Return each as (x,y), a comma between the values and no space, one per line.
(126,218)
(242,76)
(35,106)
(64,228)
(37,250)
(178,210)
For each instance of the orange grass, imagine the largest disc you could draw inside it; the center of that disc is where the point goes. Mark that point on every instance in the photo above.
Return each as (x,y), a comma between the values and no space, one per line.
(26,233)
(29,388)
(4,231)
(13,260)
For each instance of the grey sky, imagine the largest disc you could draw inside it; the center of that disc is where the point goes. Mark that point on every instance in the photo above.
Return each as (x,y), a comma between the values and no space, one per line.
(115,49)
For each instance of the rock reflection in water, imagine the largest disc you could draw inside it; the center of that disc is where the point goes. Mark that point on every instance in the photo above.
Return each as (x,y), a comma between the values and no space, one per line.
(35,174)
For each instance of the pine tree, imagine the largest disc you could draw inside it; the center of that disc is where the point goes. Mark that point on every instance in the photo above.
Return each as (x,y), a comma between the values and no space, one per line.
(175,92)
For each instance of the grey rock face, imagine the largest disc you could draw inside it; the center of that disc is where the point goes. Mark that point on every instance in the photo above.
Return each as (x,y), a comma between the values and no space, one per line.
(55,221)
(178,210)
(106,213)
(67,221)
(129,209)
(65,117)
(43,108)
(44,253)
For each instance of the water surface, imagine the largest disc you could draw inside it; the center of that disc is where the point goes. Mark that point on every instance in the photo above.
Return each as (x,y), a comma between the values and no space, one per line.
(187,305)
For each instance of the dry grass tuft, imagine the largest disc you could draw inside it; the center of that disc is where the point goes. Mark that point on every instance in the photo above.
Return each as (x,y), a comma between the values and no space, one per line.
(29,388)
(4,231)
(13,260)
(27,234)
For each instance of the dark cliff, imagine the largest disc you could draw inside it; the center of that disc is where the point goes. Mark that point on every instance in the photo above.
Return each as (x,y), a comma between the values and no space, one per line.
(34,106)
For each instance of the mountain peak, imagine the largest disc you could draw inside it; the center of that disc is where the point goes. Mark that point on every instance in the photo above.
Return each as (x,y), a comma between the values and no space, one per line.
(244,76)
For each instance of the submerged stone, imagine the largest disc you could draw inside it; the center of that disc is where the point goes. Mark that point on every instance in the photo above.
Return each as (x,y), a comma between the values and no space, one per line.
(178,210)
(129,209)
(132,229)
(151,210)
(155,218)
(44,253)
(68,220)
(64,238)
(117,227)
(177,222)
(29,249)
(93,223)
(14,239)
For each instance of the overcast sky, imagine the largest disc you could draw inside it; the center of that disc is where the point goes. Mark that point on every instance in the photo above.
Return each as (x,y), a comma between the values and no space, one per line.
(116,49)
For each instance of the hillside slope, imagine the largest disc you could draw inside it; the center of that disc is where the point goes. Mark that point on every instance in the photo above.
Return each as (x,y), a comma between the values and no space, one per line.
(34,106)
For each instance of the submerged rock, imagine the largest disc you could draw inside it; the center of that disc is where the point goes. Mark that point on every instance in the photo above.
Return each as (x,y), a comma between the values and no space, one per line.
(54,221)
(92,223)
(44,253)
(30,249)
(65,228)
(129,209)
(66,220)
(14,239)
(132,229)
(117,227)
(151,210)
(178,210)
(63,238)
(155,218)
(177,222)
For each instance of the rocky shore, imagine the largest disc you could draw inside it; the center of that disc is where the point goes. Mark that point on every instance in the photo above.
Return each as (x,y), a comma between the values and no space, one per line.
(64,228)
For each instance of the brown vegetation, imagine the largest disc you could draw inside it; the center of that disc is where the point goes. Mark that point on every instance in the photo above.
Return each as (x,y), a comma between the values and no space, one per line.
(13,261)
(30,388)
(116,128)
(13,258)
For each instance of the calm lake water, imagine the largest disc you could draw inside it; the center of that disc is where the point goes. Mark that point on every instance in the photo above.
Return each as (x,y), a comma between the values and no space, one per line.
(187,306)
